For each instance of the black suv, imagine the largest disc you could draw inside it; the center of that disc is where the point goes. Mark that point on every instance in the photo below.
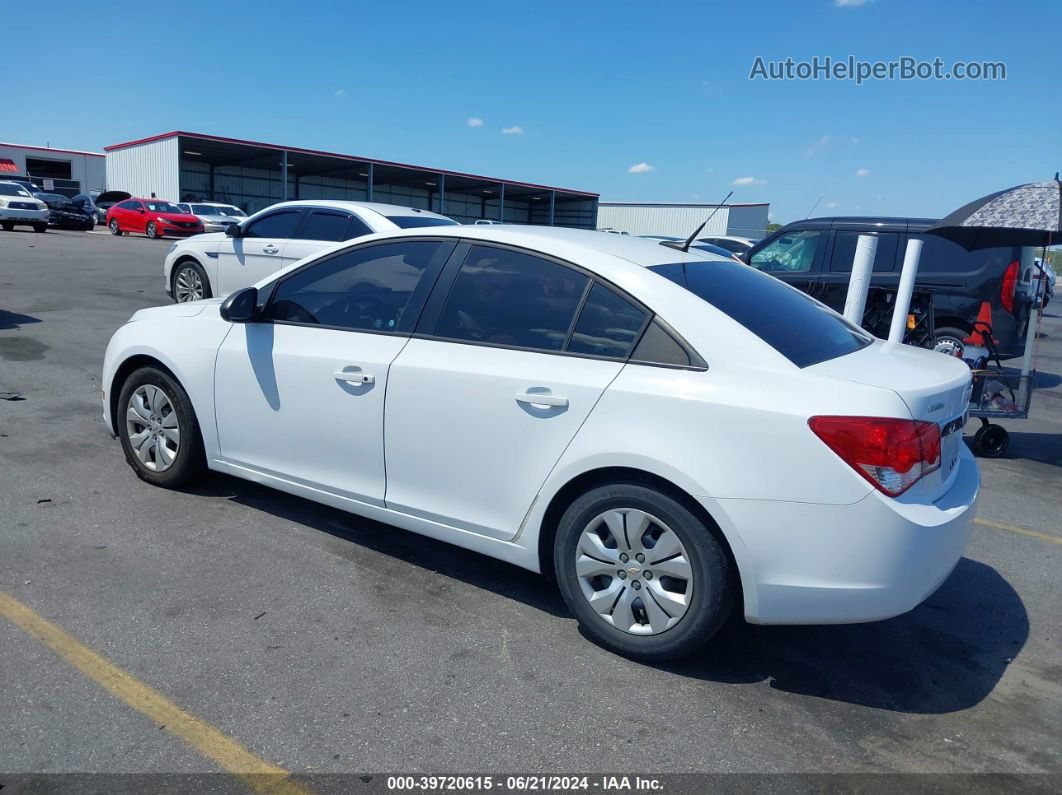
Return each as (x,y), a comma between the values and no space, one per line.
(816,256)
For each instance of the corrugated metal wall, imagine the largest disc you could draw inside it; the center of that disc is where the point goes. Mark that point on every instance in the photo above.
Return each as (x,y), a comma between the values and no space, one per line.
(681,219)
(660,219)
(144,169)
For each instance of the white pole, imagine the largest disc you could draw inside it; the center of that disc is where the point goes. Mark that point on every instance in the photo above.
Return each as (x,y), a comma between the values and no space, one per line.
(1027,255)
(859,283)
(911,258)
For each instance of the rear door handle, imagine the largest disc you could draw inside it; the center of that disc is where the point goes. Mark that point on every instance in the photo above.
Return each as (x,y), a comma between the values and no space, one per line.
(354,377)
(270,249)
(540,399)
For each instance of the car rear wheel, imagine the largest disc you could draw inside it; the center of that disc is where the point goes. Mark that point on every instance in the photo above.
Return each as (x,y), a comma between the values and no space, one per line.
(113,226)
(40,227)
(159,431)
(153,231)
(190,283)
(641,573)
(6,226)
(949,340)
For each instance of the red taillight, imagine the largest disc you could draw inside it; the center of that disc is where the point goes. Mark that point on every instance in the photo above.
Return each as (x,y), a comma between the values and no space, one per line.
(1010,285)
(892,454)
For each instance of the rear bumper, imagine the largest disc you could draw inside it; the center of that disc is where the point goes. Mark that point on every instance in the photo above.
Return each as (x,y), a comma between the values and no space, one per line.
(804,563)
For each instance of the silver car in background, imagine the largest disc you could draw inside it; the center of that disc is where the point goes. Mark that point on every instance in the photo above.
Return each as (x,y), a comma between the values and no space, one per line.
(216,217)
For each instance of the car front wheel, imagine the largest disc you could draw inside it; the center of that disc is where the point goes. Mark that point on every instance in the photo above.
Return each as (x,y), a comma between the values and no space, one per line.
(641,573)
(158,429)
(190,283)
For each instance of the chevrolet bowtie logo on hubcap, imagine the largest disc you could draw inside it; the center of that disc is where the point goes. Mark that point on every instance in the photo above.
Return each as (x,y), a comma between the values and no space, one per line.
(634,571)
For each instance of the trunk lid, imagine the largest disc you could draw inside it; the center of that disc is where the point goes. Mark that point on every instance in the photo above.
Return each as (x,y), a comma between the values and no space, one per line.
(935,388)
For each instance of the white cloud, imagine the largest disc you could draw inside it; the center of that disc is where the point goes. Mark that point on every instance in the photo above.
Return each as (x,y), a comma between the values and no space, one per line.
(709,170)
(862,172)
(640,168)
(474,122)
(742,181)
(342,92)
(512,130)
(695,196)
(855,140)
(829,205)
(815,147)
(849,3)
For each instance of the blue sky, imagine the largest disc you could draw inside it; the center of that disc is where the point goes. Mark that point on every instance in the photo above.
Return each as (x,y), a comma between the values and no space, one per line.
(591,88)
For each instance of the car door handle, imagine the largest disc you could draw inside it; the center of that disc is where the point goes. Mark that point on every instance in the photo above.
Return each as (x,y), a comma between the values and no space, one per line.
(540,399)
(270,249)
(354,377)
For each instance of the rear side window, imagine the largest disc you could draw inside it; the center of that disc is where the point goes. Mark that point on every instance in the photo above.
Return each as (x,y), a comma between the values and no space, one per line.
(505,297)
(277,225)
(796,326)
(941,256)
(413,221)
(608,325)
(844,246)
(658,347)
(325,225)
(129,205)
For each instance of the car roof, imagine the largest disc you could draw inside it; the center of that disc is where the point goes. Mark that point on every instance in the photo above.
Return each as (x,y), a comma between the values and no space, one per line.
(378,207)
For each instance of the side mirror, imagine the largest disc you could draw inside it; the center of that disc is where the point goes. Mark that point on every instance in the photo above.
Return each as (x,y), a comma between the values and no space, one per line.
(241,306)
(232,230)
(141,210)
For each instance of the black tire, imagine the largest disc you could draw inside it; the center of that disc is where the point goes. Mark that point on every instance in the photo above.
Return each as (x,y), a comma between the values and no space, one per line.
(7,227)
(713,578)
(189,465)
(40,228)
(991,441)
(190,265)
(949,340)
(152,231)
(115,229)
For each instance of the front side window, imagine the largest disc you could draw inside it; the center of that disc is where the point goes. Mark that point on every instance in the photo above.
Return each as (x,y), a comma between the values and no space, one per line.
(505,297)
(798,327)
(324,225)
(608,325)
(793,252)
(374,288)
(276,225)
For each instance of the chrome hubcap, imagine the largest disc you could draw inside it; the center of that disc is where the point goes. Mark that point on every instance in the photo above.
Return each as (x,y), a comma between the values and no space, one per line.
(151,425)
(187,286)
(949,346)
(634,571)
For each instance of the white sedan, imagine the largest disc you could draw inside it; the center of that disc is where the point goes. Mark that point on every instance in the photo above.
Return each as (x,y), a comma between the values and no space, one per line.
(671,436)
(216,264)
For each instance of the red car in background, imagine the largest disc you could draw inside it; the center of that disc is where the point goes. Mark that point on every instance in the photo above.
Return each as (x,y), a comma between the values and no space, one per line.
(152,217)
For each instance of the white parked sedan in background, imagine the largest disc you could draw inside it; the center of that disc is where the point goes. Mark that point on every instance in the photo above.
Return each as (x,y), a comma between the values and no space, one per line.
(216,217)
(669,435)
(216,264)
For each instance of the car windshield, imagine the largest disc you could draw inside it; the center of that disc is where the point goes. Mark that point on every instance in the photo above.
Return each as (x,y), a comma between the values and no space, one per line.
(52,198)
(413,221)
(798,327)
(10,189)
(212,209)
(162,207)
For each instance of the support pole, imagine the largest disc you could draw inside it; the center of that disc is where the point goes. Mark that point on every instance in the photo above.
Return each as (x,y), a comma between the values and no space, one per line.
(911,258)
(859,283)
(284,176)
(501,204)
(368,185)
(552,205)
(1031,330)
(442,194)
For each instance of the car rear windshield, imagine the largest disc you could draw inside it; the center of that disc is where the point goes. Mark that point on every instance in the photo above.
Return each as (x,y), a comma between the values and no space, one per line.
(412,221)
(798,327)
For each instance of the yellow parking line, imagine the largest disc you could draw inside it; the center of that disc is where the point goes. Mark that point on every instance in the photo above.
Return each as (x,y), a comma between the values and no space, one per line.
(1020,530)
(257,773)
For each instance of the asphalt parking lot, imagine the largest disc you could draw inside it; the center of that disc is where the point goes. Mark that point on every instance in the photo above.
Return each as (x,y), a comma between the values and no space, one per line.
(324,643)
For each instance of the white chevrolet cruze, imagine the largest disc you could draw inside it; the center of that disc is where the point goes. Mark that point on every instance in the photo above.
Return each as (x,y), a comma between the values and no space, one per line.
(218,263)
(669,435)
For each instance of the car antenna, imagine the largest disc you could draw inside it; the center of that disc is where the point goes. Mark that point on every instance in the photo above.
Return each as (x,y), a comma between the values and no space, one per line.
(685,246)
(816,204)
